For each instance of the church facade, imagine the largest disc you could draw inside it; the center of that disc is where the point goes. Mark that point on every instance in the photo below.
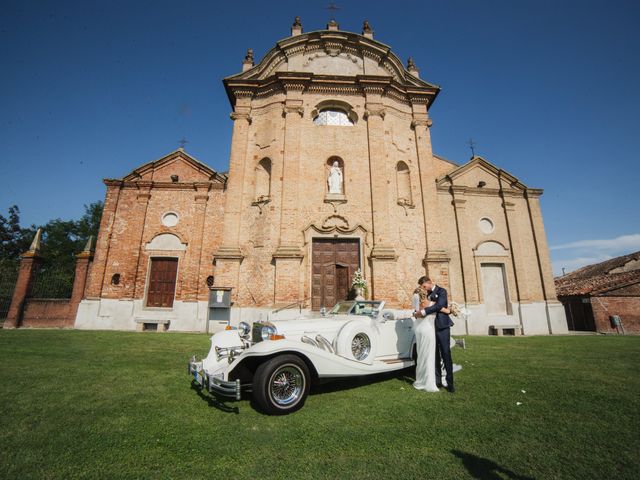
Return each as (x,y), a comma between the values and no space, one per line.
(331,171)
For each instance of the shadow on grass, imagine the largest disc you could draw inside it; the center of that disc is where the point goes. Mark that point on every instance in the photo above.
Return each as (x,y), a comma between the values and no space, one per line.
(348,383)
(485,469)
(213,401)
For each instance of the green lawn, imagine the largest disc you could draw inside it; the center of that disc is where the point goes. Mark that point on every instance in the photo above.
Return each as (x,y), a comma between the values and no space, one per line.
(120,405)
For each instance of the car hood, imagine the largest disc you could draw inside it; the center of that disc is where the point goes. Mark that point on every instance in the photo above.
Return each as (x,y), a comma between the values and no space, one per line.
(328,325)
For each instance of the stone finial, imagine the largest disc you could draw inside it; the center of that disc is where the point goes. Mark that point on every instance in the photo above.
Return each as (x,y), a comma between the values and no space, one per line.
(247,63)
(296,28)
(333,25)
(34,249)
(88,249)
(366,30)
(411,67)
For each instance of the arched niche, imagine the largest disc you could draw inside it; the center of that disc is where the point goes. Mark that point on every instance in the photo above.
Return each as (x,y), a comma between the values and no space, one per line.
(263,180)
(328,166)
(403,183)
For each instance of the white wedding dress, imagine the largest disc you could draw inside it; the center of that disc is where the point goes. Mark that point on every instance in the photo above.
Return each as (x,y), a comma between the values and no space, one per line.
(425,332)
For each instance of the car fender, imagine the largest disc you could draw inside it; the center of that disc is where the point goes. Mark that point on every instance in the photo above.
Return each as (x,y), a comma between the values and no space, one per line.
(326,364)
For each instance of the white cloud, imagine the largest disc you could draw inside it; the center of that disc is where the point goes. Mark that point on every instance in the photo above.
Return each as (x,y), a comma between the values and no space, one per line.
(587,252)
(629,243)
(571,264)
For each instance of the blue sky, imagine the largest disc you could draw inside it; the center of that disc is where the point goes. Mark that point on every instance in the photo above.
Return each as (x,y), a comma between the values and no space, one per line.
(547,89)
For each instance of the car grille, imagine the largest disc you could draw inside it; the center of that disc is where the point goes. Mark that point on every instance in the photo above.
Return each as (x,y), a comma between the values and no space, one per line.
(256,332)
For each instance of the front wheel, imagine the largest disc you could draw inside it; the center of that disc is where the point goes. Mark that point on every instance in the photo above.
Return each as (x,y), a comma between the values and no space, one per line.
(281,385)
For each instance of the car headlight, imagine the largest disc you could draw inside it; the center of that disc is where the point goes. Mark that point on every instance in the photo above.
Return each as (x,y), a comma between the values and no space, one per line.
(244,329)
(268,331)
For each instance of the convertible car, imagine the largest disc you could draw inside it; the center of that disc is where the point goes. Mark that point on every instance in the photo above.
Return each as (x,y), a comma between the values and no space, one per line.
(278,361)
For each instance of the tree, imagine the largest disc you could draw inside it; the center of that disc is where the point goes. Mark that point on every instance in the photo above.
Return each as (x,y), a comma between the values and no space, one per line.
(61,239)
(14,239)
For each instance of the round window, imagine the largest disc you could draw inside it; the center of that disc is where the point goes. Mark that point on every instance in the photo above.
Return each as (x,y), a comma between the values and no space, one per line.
(486,225)
(170,219)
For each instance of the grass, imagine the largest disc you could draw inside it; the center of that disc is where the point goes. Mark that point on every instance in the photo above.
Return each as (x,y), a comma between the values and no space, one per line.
(81,404)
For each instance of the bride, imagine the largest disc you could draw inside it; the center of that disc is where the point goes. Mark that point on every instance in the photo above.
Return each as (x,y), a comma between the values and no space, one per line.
(425,342)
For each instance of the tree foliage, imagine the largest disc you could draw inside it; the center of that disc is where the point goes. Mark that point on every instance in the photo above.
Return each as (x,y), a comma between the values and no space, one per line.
(61,239)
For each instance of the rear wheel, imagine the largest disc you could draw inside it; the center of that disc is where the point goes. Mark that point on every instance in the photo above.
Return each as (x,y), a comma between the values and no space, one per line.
(281,385)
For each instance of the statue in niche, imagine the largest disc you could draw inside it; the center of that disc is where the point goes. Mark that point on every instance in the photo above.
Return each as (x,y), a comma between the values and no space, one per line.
(335,179)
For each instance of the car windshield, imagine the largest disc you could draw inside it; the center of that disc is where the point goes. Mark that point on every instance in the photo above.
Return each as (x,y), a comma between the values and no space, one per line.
(356,308)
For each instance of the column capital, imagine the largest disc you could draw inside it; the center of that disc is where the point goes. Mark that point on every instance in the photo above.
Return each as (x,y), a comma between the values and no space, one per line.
(287,109)
(288,251)
(374,110)
(459,203)
(240,116)
(509,206)
(228,253)
(421,122)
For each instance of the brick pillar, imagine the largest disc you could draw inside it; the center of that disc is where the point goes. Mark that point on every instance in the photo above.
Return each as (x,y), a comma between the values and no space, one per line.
(288,255)
(383,255)
(135,231)
(436,260)
(467,262)
(194,252)
(96,278)
(83,262)
(29,263)
(540,242)
(229,256)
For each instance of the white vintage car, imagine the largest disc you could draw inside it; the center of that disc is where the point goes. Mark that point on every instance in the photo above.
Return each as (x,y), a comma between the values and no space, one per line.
(279,360)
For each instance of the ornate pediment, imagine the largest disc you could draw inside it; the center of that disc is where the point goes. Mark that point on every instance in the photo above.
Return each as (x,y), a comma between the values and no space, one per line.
(328,57)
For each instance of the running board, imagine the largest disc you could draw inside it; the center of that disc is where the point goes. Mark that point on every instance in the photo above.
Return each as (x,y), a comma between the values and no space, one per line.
(396,360)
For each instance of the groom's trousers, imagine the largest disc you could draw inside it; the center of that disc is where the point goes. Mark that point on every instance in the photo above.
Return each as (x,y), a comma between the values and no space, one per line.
(443,352)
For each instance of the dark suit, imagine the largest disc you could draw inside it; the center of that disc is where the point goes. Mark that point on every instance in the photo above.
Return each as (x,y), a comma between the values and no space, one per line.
(443,325)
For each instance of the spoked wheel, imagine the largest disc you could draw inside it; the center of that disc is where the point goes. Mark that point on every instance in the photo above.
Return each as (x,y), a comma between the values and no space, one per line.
(281,385)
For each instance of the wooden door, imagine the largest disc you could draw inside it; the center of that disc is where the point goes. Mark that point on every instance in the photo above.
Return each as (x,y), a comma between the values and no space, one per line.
(162,282)
(334,261)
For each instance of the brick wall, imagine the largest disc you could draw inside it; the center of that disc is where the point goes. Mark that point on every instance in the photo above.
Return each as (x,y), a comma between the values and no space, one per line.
(47,313)
(628,308)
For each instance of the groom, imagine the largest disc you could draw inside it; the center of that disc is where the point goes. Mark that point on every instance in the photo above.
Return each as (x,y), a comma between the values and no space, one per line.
(443,325)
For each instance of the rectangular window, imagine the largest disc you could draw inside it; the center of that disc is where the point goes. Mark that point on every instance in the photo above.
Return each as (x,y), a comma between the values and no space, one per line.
(494,287)
(162,282)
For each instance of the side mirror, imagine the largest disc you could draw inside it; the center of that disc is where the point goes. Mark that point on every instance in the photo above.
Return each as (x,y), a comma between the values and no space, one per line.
(388,315)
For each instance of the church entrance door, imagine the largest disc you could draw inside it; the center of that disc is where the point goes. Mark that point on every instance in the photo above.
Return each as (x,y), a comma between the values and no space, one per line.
(334,261)
(162,282)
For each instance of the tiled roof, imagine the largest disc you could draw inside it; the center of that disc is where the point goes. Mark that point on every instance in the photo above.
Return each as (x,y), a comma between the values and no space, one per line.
(599,278)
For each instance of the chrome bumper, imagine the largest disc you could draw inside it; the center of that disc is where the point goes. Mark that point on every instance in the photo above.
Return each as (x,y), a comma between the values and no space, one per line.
(213,384)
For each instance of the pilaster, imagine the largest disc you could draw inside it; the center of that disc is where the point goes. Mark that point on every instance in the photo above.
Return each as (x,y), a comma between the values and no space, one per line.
(469,280)
(436,257)
(194,259)
(103,243)
(229,256)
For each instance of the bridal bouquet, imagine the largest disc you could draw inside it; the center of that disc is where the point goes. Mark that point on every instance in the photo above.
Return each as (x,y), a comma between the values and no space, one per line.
(456,309)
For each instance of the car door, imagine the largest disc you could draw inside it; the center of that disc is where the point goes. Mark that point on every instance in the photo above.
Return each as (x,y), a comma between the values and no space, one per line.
(395,337)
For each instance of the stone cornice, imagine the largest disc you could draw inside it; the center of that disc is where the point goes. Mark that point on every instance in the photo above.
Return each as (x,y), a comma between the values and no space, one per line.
(365,85)
(149,185)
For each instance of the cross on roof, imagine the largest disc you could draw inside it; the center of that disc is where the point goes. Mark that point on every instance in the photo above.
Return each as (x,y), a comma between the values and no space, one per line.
(332,7)
(183,142)
(472,146)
